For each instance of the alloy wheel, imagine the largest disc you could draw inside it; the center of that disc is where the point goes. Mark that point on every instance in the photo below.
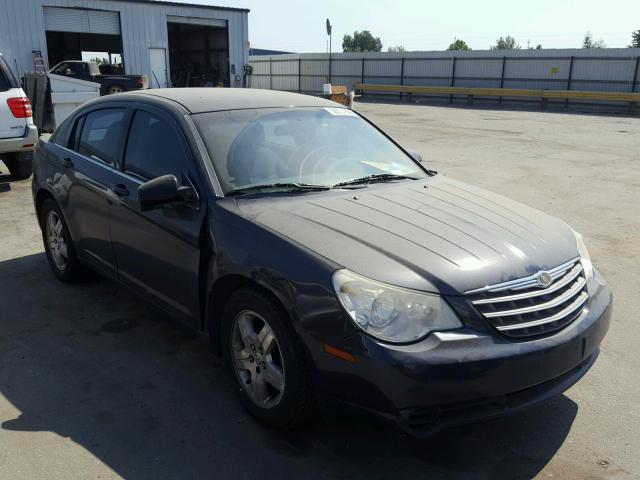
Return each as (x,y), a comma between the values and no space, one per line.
(257,359)
(55,237)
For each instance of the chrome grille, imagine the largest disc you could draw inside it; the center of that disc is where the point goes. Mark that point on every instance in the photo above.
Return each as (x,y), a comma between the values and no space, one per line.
(522,308)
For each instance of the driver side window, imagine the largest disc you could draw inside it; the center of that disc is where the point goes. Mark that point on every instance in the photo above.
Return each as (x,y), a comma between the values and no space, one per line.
(68,69)
(154,148)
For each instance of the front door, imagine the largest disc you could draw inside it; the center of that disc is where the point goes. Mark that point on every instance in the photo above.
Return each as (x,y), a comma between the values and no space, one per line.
(158,251)
(158,61)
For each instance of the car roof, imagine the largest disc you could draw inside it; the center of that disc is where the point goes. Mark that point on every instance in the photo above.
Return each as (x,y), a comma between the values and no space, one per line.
(200,100)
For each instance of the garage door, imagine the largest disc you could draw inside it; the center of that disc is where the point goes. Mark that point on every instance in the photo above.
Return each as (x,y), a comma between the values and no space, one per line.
(211,22)
(59,19)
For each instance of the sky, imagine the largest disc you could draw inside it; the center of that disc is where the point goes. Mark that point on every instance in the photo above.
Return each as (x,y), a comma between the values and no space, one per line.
(299,26)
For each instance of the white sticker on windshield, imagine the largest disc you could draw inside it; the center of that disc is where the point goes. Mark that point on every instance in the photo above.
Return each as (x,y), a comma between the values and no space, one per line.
(340,111)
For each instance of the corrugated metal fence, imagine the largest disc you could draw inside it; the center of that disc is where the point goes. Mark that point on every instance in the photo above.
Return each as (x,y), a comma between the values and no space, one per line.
(611,70)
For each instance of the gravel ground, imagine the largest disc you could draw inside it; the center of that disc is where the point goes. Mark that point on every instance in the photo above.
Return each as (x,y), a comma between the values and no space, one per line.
(94,384)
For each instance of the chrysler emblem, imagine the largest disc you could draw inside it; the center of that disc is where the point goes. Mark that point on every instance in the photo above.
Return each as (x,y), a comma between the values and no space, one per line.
(544,279)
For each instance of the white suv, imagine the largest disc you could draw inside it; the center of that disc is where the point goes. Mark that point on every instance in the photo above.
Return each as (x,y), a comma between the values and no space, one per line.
(18,134)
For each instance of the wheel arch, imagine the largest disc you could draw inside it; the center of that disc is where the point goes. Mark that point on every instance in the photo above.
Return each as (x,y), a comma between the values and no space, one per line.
(219,294)
(42,195)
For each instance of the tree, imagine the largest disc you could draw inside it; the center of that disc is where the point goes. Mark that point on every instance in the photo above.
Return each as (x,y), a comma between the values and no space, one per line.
(506,43)
(397,49)
(539,46)
(361,42)
(635,39)
(588,42)
(459,44)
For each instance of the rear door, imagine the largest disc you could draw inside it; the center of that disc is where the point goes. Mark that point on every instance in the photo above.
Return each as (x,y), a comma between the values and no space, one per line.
(90,161)
(10,126)
(158,251)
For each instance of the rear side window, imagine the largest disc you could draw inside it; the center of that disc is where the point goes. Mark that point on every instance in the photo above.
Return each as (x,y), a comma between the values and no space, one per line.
(70,68)
(74,136)
(4,81)
(154,148)
(6,77)
(102,133)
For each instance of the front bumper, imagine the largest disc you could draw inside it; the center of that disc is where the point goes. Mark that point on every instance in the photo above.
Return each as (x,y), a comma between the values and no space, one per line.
(20,144)
(451,378)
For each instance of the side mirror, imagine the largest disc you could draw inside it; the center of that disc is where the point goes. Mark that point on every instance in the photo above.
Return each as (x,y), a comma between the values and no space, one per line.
(416,156)
(163,190)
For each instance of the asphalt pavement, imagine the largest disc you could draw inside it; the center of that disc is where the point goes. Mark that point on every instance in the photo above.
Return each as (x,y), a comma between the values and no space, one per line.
(96,384)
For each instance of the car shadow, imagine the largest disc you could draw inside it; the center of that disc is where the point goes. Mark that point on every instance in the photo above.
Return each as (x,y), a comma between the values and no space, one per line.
(5,183)
(145,396)
(6,179)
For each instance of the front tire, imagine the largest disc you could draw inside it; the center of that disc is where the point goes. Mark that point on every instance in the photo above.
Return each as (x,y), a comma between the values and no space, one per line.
(20,164)
(58,245)
(265,360)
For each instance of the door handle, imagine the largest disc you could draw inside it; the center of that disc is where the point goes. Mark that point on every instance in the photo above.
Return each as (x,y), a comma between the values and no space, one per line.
(120,190)
(67,163)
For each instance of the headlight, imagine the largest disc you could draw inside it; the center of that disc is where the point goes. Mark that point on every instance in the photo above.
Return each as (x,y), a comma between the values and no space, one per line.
(392,313)
(585,259)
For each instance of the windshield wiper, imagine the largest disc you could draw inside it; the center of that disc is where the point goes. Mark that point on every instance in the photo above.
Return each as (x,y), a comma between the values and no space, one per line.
(378,177)
(289,187)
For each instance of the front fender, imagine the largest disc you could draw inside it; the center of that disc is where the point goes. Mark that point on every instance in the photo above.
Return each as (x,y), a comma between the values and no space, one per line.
(247,253)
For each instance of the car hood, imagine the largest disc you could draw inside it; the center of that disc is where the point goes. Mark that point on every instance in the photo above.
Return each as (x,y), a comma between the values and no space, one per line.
(437,234)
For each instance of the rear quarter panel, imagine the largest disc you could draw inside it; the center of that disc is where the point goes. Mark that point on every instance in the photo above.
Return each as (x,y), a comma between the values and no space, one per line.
(45,171)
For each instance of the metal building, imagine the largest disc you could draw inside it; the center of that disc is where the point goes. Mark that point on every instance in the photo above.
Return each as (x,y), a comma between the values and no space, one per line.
(174,44)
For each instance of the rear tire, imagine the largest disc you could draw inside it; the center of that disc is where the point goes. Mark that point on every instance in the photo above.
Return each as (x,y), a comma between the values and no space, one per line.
(115,89)
(20,165)
(58,245)
(271,377)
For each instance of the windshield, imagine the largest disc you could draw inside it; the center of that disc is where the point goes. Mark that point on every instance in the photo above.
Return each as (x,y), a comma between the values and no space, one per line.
(305,146)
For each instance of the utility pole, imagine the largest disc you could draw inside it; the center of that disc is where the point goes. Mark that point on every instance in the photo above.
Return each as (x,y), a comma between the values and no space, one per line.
(329,33)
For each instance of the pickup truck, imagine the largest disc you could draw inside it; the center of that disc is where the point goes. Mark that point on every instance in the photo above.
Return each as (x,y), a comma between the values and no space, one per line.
(18,134)
(91,71)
